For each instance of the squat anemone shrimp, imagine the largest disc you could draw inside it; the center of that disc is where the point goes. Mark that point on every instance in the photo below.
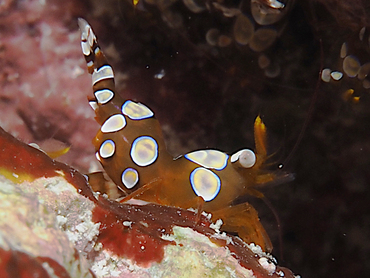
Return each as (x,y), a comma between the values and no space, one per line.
(131,148)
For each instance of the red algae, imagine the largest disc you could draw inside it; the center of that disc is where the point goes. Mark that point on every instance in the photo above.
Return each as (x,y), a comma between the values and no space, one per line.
(19,264)
(59,270)
(140,228)
(133,243)
(247,259)
(22,162)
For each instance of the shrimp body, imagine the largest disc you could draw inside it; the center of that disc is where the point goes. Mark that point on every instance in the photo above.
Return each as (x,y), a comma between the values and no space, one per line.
(131,148)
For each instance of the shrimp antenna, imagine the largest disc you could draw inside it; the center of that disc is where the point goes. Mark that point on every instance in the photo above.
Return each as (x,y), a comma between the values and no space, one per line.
(310,109)
(278,224)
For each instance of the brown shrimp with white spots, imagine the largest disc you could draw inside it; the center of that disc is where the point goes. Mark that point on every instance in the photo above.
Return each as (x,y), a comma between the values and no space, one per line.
(131,148)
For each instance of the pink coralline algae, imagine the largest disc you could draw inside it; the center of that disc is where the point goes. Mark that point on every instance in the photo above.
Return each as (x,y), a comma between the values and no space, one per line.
(41,77)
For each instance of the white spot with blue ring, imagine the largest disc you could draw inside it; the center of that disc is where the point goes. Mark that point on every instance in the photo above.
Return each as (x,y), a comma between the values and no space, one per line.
(130,178)
(85,48)
(87,36)
(93,104)
(144,151)
(104,96)
(114,123)
(104,72)
(212,159)
(107,149)
(205,183)
(136,110)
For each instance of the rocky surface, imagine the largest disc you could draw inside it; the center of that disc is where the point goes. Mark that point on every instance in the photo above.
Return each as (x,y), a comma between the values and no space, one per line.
(53,225)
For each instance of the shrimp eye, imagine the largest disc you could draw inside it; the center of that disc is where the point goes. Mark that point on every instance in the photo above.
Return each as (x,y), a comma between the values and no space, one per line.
(246,158)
